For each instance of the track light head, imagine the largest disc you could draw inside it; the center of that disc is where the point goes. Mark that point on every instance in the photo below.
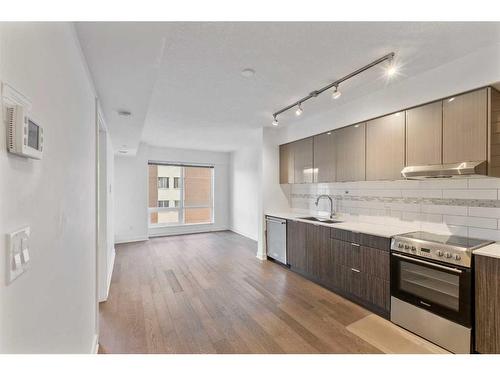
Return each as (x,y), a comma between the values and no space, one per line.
(299,110)
(275,121)
(392,68)
(336,94)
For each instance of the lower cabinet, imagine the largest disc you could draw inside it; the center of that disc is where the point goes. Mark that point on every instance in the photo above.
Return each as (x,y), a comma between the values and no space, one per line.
(350,268)
(487,287)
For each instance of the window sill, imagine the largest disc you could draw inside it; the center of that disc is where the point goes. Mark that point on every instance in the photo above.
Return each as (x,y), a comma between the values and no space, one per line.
(160,226)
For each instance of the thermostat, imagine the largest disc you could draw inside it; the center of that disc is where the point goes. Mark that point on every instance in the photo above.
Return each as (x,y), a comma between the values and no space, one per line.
(24,134)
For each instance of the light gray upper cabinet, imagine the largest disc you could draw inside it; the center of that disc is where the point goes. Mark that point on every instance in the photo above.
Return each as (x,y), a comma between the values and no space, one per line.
(303,161)
(465,124)
(350,153)
(324,157)
(286,164)
(385,147)
(424,129)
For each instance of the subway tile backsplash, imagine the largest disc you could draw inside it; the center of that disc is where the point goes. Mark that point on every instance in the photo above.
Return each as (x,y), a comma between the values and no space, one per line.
(467,206)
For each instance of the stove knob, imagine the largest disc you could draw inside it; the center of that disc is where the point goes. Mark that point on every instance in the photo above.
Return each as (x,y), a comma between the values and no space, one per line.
(448,255)
(407,247)
(439,253)
(400,245)
(413,248)
(458,257)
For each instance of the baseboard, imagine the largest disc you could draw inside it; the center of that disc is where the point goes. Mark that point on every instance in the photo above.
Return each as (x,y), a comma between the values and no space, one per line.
(183,231)
(131,239)
(95,345)
(111,267)
(243,234)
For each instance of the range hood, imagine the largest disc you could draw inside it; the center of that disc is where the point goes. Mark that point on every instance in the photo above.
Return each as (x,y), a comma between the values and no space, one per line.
(463,169)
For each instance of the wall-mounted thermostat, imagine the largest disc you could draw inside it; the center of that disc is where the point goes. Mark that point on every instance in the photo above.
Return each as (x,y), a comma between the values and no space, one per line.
(24,134)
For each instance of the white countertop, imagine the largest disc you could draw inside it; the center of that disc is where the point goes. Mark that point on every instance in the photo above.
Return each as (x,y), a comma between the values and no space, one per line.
(492,250)
(367,228)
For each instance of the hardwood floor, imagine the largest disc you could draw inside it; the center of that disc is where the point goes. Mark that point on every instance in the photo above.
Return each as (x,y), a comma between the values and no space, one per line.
(208,293)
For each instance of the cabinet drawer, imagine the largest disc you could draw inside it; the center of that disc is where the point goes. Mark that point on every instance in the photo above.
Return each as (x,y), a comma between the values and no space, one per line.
(344,235)
(376,242)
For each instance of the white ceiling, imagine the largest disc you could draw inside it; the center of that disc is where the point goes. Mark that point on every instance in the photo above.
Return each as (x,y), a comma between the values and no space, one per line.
(182,81)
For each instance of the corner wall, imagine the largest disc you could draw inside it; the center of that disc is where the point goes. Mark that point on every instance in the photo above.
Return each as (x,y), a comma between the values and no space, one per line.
(52,307)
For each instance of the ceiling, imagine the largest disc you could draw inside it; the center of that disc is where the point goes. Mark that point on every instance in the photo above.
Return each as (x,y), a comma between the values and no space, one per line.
(182,80)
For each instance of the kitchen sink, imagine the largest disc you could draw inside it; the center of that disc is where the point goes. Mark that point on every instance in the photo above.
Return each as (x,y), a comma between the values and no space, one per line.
(320,219)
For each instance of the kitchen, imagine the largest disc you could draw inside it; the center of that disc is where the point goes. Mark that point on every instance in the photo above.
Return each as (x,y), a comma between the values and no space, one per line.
(397,214)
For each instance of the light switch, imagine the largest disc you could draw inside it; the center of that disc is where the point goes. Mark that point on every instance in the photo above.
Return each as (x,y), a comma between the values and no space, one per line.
(18,255)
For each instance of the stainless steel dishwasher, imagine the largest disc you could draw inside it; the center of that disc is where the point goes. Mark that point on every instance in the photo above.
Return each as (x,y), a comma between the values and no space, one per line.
(276,238)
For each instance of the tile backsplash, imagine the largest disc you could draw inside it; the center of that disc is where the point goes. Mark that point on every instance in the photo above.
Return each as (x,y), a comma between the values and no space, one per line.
(465,206)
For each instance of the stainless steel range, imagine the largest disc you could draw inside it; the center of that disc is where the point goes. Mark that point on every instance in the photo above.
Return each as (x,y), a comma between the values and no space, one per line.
(431,287)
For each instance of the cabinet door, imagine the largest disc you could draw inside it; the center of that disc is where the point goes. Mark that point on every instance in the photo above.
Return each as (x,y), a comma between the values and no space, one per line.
(375,262)
(424,130)
(324,157)
(385,147)
(317,244)
(286,164)
(303,160)
(487,286)
(350,153)
(465,127)
(296,245)
(330,266)
(376,291)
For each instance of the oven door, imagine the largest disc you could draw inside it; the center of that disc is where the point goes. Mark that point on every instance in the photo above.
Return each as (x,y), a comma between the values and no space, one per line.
(440,289)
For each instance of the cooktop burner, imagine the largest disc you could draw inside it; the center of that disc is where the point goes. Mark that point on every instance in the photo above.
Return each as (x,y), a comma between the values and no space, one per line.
(443,248)
(458,241)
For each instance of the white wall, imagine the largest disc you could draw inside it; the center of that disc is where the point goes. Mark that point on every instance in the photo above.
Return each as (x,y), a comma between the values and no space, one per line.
(106,217)
(51,308)
(131,179)
(245,190)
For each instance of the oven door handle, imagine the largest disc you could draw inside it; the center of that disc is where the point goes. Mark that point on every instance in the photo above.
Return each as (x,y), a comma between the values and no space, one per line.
(455,270)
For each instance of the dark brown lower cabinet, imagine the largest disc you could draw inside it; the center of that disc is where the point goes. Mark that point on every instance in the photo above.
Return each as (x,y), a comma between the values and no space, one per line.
(487,290)
(296,245)
(342,261)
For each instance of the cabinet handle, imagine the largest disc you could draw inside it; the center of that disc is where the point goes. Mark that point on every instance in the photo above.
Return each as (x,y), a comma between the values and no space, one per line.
(355,244)
(355,270)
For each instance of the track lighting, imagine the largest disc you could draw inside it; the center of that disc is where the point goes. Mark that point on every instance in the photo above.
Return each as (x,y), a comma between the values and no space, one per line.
(299,110)
(336,94)
(391,70)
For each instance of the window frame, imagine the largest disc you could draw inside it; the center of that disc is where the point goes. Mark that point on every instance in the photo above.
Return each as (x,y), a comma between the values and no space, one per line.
(180,209)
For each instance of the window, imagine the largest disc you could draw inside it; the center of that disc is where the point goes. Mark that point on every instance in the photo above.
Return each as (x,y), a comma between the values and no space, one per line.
(163,182)
(163,203)
(189,200)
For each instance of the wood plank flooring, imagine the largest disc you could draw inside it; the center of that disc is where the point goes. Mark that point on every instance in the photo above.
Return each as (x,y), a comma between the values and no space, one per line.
(208,293)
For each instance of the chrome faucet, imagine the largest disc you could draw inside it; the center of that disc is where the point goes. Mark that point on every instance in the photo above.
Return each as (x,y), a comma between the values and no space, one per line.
(332,213)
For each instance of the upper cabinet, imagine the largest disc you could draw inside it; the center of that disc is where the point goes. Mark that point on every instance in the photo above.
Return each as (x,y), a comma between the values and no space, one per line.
(286,164)
(465,124)
(385,147)
(350,153)
(458,129)
(324,157)
(424,134)
(303,161)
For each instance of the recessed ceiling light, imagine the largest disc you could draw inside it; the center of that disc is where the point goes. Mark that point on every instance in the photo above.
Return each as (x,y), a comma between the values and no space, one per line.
(124,113)
(248,72)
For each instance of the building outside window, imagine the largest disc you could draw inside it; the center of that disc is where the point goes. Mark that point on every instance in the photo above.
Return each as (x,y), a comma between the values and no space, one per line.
(188,200)
(163,203)
(163,182)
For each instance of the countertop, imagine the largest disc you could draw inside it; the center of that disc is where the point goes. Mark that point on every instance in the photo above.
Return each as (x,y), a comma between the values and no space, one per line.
(367,228)
(492,250)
